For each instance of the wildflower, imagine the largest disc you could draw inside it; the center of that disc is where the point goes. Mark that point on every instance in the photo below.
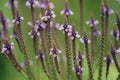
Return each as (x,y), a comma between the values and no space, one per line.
(107,59)
(44,5)
(113,51)
(92,22)
(117,20)
(39,25)
(107,10)
(7,47)
(33,33)
(84,40)
(66,28)
(24,64)
(8,4)
(31,3)
(80,57)
(54,52)
(40,55)
(66,11)
(78,70)
(49,14)
(17,20)
(96,32)
(73,34)
(115,33)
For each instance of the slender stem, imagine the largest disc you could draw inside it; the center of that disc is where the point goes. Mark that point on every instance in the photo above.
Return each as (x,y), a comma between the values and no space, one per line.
(89,62)
(81,16)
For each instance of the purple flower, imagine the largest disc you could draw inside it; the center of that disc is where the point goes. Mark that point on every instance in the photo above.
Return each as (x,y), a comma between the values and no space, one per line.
(80,57)
(113,51)
(44,5)
(92,22)
(73,34)
(54,52)
(49,14)
(33,33)
(85,39)
(39,25)
(108,60)
(78,70)
(66,11)
(7,47)
(117,20)
(118,50)
(17,20)
(31,3)
(108,11)
(40,55)
(4,22)
(8,4)
(115,33)
(24,65)
(66,28)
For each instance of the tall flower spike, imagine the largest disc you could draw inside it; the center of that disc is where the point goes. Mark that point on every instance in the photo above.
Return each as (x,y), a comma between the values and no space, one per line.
(108,61)
(66,11)
(85,39)
(118,20)
(31,3)
(113,52)
(4,23)
(65,27)
(7,47)
(54,51)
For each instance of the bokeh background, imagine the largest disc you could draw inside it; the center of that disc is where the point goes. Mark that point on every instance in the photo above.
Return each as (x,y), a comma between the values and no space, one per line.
(7,71)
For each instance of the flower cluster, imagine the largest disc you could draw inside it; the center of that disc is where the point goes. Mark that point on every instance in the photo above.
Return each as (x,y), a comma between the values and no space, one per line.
(78,70)
(108,60)
(33,33)
(49,14)
(31,3)
(85,39)
(40,55)
(7,47)
(73,34)
(92,22)
(66,28)
(80,57)
(39,25)
(54,52)
(44,5)
(115,33)
(17,20)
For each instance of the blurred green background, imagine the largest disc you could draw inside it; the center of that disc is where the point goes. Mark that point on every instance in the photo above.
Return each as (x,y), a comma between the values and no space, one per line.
(7,72)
